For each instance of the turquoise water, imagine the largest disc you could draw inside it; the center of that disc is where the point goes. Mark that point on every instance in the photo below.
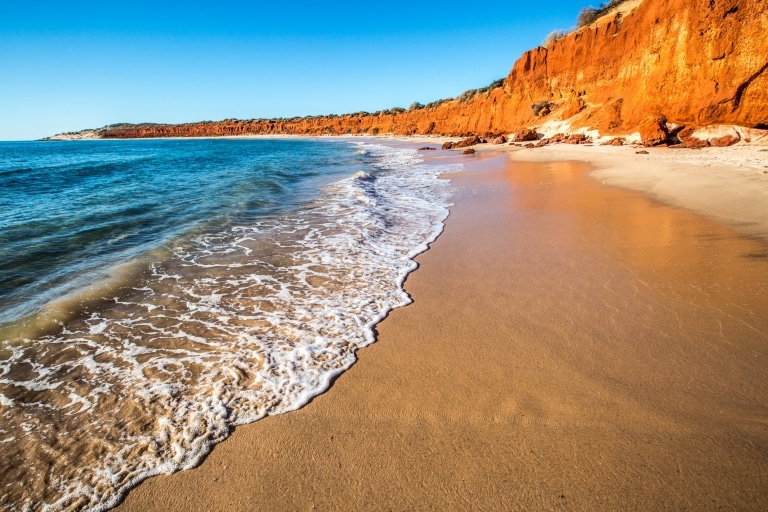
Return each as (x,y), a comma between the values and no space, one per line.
(157,293)
(72,210)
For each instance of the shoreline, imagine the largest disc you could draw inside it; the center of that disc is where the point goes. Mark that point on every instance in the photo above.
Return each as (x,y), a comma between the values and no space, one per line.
(551,358)
(714,182)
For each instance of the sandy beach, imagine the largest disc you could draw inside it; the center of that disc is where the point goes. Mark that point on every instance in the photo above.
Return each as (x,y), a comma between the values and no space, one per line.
(572,345)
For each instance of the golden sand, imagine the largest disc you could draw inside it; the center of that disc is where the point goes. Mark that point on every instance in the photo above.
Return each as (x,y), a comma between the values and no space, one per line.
(571,346)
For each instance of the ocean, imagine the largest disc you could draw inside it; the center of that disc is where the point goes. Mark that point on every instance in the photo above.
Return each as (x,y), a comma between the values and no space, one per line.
(154,294)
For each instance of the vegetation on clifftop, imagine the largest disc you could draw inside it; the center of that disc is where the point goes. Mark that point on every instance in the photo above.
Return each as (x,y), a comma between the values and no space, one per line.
(589,15)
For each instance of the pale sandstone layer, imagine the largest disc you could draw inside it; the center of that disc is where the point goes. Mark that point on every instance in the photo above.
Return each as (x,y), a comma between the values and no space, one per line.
(571,346)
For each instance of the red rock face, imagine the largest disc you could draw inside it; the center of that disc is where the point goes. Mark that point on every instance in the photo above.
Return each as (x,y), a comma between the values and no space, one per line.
(695,62)
(653,130)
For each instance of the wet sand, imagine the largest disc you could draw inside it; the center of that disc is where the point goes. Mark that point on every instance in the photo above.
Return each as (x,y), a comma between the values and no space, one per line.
(572,346)
(728,185)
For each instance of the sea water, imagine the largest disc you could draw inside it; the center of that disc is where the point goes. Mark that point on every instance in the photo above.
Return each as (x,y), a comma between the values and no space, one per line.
(156,293)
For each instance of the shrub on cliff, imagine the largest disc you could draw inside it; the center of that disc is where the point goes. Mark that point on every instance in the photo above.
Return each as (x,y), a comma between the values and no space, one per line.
(467,95)
(553,36)
(435,104)
(397,110)
(471,93)
(589,15)
(539,106)
(495,84)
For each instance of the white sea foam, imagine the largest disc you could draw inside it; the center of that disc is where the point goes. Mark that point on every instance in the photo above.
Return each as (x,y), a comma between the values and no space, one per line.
(238,325)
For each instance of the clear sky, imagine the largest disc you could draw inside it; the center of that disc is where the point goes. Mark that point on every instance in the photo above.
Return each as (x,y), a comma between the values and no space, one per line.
(70,65)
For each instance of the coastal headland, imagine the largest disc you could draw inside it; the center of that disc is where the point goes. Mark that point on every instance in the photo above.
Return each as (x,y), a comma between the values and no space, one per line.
(661,69)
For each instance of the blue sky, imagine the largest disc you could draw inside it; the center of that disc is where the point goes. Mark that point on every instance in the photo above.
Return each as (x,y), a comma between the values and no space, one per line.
(65,66)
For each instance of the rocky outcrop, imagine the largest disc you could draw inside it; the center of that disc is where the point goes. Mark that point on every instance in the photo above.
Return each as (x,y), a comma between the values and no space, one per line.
(616,141)
(525,135)
(562,138)
(724,141)
(469,141)
(692,62)
(653,130)
(577,138)
(694,142)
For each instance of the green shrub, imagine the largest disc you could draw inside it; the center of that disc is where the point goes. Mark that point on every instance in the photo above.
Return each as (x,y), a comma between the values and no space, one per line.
(375,130)
(415,106)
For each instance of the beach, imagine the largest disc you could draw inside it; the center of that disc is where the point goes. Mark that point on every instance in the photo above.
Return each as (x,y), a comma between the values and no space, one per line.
(572,345)
(258,262)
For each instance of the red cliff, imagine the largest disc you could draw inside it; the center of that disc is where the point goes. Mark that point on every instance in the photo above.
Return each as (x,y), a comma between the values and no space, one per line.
(691,62)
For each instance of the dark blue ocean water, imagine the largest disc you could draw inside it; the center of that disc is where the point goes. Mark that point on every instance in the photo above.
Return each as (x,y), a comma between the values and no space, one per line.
(70,210)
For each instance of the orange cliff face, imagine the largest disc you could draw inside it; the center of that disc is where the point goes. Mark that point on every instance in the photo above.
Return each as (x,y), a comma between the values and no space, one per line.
(697,62)
(693,62)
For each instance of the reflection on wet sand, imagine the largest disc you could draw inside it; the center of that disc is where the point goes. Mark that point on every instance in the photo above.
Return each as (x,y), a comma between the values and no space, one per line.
(669,248)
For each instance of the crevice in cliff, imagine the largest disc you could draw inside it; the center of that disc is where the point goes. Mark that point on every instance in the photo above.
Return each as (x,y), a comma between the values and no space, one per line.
(743,87)
(730,11)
